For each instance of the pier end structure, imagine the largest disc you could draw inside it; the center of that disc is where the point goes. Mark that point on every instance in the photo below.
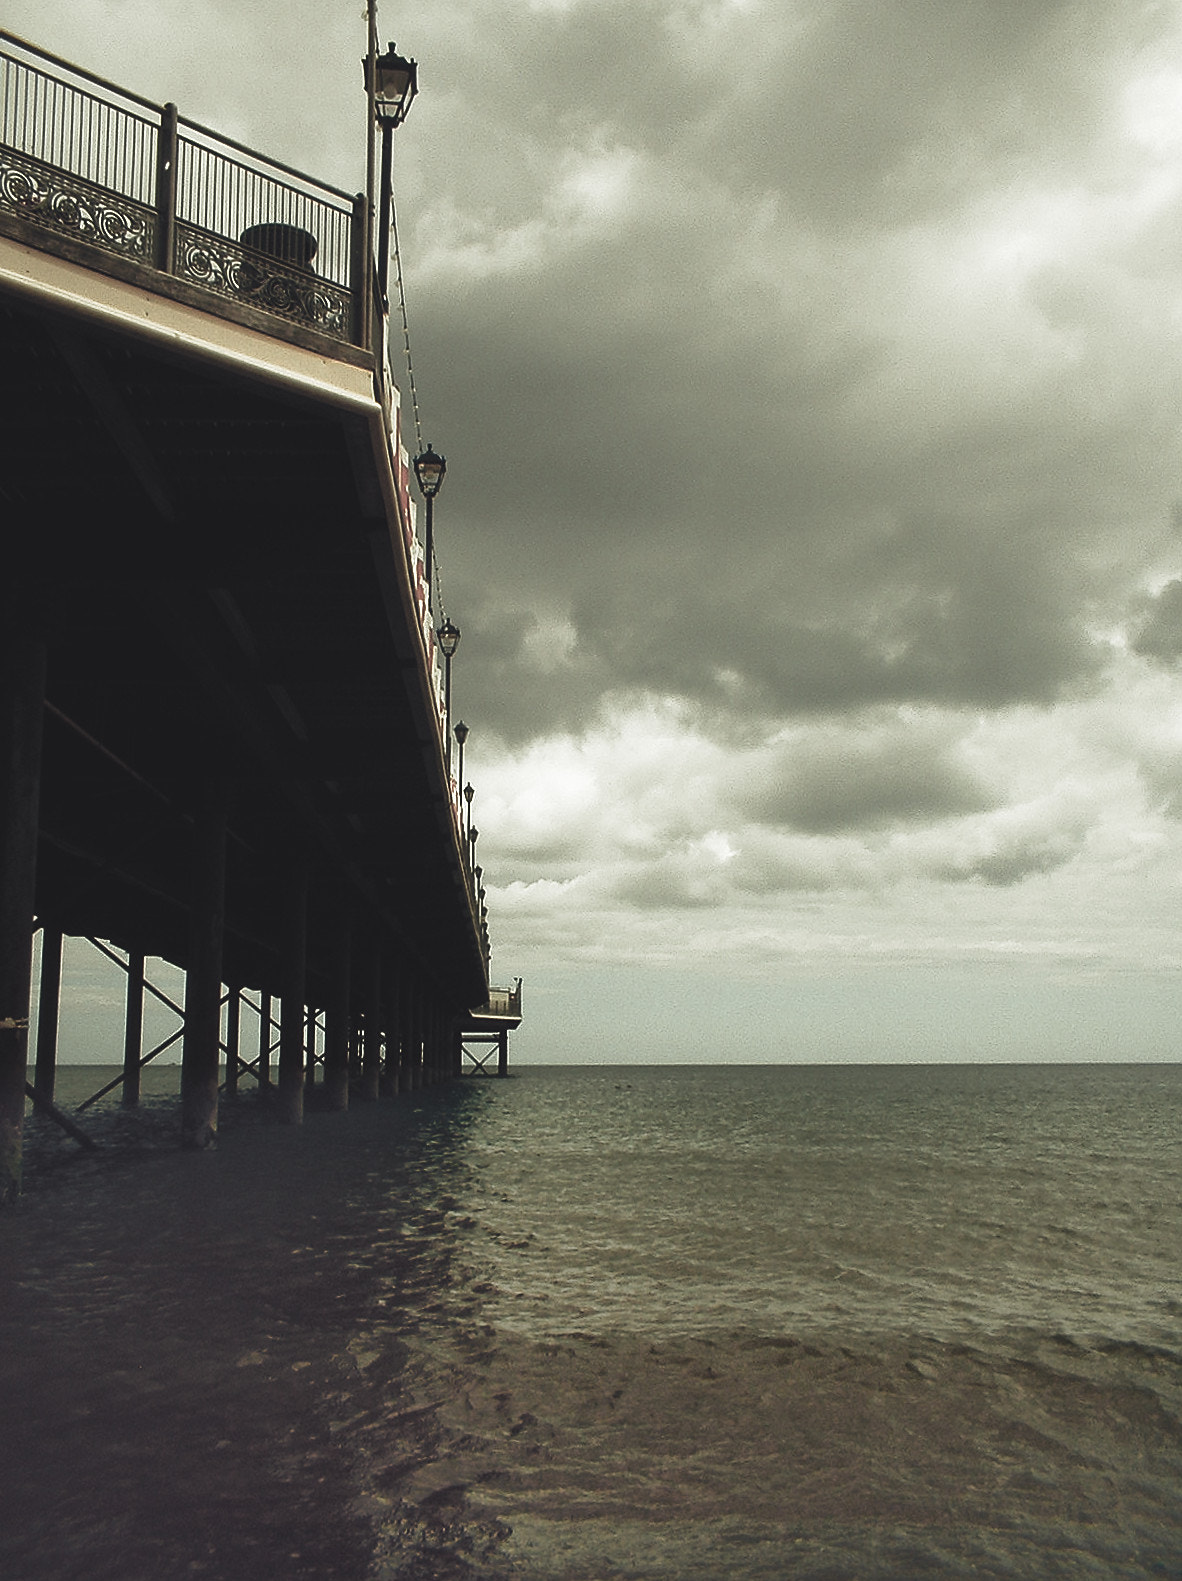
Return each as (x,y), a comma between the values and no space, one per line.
(222,730)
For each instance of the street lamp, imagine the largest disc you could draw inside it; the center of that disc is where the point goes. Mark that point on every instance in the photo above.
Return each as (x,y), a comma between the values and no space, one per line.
(469,792)
(391,81)
(396,81)
(430,469)
(449,640)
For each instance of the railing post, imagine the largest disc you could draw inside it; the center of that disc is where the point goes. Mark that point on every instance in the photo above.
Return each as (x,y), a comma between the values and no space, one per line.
(166,162)
(359,272)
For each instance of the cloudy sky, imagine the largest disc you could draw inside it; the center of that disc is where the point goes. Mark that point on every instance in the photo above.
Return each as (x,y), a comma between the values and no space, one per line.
(810,378)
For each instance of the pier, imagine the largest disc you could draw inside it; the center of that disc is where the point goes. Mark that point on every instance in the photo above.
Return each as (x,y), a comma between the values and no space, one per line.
(224,714)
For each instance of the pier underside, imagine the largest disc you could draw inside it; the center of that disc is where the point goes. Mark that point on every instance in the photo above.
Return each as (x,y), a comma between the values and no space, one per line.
(221,729)
(212,562)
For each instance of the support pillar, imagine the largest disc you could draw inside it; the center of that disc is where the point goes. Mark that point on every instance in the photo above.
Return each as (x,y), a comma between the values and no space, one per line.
(338,1005)
(49,999)
(293,966)
(392,1042)
(438,1054)
(201,1049)
(22,703)
(310,1050)
(264,1040)
(133,1029)
(371,1060)
(416,1037)
(432,1049)
(426,1039)
(418,1045)
(233,1036)
(503,1052)
(405,1028)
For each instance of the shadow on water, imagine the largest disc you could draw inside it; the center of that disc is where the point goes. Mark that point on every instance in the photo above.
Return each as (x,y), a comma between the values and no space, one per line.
(179,1357)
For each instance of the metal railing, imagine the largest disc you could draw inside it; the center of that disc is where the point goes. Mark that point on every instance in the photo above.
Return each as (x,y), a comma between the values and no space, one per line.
(504,1001)
(88,160)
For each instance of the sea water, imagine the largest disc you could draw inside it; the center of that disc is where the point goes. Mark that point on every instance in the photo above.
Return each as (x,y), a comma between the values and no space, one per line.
(840,1323)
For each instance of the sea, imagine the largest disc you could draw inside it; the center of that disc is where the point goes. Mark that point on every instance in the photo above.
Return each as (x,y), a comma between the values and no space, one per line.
(665,1323)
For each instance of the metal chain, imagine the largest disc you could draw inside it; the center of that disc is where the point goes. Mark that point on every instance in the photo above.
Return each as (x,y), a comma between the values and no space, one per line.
(438,585)
(410,367)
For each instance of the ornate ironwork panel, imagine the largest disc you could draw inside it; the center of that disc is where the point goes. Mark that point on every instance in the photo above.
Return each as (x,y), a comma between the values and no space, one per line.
(75,207)
(260,281)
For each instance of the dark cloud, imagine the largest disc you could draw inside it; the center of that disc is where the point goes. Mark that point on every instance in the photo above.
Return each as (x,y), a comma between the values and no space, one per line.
(886,115)
(754,353)
(837,780)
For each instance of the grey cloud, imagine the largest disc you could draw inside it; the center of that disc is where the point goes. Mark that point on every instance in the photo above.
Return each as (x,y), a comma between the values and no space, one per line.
(1017,857)
(1158,633)
(886,114)
(836,780)
(673,881)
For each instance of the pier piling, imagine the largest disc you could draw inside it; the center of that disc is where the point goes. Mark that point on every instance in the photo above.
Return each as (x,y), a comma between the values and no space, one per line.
(22,703)
(201,1046)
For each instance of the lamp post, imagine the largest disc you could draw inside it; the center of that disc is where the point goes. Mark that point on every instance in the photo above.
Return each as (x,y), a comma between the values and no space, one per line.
(448,637)
(430,469)
(469,792)
(391,82)
(461,735)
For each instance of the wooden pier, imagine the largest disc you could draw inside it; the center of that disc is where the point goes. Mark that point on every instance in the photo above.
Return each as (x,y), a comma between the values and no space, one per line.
(223,722)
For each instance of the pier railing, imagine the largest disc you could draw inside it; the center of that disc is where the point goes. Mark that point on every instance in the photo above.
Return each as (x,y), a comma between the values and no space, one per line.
(504,1001)
(90,162)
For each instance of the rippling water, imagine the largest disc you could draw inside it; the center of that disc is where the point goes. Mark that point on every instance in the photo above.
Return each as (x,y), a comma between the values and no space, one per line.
(855,1322)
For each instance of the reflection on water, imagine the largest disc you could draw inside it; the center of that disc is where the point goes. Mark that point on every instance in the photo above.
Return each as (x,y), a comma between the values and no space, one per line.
(659,1324)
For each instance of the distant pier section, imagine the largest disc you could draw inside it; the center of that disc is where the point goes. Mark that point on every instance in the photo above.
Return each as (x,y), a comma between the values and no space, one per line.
(224,723)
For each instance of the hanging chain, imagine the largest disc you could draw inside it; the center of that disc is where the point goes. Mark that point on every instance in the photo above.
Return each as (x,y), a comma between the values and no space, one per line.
(438,585)
(410,367)
(436,579)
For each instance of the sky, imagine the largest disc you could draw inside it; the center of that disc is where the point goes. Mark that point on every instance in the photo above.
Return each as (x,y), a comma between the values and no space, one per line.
(809,374)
